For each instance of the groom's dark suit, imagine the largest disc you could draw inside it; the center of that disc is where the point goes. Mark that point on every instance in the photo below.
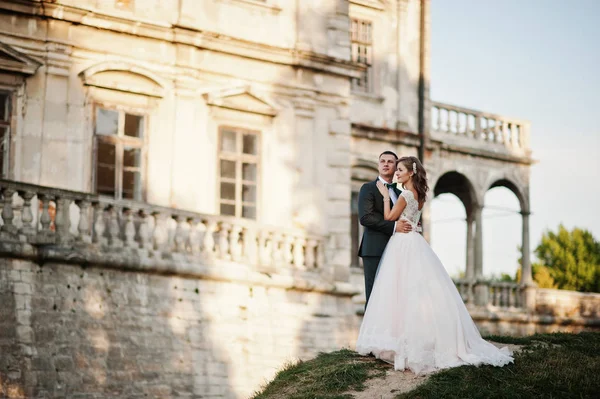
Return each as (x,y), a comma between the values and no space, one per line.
(377,231)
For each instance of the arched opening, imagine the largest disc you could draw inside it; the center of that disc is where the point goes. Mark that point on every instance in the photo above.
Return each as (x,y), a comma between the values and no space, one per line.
(449,233)
(452,212)
(502,229)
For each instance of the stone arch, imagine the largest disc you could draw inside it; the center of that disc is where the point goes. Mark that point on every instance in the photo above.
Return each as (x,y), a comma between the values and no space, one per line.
(124,76)
(519,192)
(453,182)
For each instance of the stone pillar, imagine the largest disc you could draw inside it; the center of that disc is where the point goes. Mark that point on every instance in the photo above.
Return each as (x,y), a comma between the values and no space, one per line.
(470,266)
(527,284)
(481,288)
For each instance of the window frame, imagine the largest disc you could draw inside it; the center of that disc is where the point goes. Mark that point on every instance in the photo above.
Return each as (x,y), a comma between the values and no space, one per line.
(6,168)
(239,158)
(120,141)
(355,41)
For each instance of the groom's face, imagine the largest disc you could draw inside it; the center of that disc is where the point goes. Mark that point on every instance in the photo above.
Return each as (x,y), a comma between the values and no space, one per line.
(387,165)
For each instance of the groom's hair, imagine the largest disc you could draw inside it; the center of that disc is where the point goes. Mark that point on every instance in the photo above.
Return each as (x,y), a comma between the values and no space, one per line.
(389,153)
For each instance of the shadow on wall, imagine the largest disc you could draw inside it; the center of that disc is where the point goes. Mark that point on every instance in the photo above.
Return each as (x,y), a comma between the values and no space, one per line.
(108,333)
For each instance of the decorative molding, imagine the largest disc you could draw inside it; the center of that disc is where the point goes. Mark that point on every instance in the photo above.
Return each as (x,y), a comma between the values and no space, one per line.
(241,98)
(374,4)
(149,83)
(12,60)
(267,4)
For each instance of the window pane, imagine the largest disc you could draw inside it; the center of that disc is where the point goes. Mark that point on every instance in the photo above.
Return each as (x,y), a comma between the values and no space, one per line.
(250,144)
(227,209)
(4,107)
(248,193)
(106,154)
(132,157)
(4,142)
(249,171)
(249,212)
(105,180)
(134,125)
(107,121)
(228,169)
(132,187)
(228,141)
(228,191)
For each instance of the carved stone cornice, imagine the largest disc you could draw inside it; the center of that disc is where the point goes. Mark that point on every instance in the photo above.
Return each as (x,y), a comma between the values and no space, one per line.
(183,34)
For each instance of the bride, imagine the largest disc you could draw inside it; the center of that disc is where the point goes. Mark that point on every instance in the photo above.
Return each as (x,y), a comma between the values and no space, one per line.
(415,318)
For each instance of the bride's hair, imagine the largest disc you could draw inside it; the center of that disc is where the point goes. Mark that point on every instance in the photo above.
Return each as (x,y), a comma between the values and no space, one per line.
(419,176)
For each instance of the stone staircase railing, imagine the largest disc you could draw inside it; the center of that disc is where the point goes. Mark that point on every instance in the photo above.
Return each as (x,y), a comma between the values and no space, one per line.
(463,126)
(41,217)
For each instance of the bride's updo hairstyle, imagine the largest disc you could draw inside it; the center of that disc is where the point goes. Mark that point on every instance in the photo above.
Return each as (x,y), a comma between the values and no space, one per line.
(419,177)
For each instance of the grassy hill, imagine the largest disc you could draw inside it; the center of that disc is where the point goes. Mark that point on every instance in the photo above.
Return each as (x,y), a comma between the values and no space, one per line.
(548,365)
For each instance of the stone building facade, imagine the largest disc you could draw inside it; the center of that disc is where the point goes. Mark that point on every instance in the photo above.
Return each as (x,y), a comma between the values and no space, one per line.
(179,180)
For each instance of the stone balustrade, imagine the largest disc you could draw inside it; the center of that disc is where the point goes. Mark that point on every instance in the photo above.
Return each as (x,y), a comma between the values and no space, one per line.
(501,295)
(37,217)
(470,127)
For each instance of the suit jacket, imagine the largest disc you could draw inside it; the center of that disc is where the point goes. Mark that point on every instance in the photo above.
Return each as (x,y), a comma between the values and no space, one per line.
(370,212)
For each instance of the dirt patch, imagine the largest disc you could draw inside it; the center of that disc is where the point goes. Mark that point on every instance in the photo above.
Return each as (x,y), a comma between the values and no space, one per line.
(396,382)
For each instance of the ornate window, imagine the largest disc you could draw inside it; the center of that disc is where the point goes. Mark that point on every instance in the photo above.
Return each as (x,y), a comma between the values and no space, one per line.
(238,172)
(5,122)
(362,52)
(119,153)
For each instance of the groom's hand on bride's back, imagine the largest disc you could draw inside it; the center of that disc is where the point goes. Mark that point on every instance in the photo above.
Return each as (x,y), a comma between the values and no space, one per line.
(402,226)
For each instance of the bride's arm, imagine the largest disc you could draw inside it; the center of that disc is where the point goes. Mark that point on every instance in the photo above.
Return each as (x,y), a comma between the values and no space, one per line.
(395,212)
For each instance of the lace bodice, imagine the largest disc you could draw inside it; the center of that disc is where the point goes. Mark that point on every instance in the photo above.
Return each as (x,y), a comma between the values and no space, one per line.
(411,212)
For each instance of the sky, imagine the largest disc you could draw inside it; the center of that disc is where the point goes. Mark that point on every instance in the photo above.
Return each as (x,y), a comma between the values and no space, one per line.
(537,60)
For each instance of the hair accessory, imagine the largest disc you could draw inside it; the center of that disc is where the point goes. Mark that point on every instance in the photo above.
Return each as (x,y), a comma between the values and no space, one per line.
(415,168)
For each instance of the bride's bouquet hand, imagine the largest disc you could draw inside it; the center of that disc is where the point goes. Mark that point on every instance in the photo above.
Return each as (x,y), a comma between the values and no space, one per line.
(383,190)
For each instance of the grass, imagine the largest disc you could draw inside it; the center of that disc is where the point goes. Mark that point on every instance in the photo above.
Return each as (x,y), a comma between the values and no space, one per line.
(327,376)
(549,366)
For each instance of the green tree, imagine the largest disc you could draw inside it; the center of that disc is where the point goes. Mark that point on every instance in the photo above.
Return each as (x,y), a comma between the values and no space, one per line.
(568,260)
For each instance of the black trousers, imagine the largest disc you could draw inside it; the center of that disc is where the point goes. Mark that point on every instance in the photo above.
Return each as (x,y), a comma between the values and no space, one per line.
(370,264)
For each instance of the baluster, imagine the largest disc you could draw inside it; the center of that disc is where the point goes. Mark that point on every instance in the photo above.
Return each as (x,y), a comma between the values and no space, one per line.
(144,231)
(99,225)
(288,256)
(195,237)
(159,238)
(179,234)
(208,241)
(62,222)
(7,212)
(277,254)
(264,248)
(447,124)
(457,122)
(83,227)
(129,230)
(310,256)
(250,246)
(478,128)
(511,298)
(514,137)
(234,243)
(497,295)
(299,244)
(224,241)
(114,229)
(439,119)
(27,228)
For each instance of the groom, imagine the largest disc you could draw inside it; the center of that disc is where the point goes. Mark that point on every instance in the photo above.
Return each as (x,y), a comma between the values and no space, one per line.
(370,211)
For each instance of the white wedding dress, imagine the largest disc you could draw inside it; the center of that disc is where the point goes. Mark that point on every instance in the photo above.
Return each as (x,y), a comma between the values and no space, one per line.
(415,318)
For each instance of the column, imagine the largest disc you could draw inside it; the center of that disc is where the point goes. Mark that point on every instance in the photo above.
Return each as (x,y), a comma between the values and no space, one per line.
(527,284)
(481,288)
(470,269)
